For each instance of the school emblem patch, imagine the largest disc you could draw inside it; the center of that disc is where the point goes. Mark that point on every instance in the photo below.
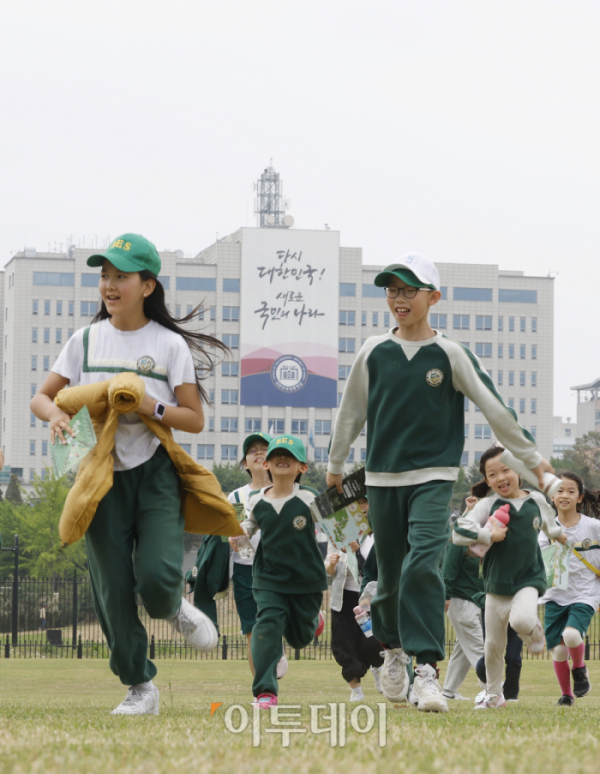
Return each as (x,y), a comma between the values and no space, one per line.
(434,377)
(536,523)
(586,543)
(299,522)
(145,364)
(194,572)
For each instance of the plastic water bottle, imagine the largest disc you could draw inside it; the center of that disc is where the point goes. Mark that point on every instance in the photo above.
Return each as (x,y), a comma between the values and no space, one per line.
(244,546)
(551,482)
(368,595)
(363,619)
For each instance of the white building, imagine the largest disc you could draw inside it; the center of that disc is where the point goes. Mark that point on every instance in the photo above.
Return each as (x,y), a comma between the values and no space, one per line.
(565,435)
(505,317)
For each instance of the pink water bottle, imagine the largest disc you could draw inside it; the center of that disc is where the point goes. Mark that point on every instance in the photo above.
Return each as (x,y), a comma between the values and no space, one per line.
(501,516)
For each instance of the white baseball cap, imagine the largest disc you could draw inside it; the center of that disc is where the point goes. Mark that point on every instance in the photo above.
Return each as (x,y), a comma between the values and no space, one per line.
(415,269)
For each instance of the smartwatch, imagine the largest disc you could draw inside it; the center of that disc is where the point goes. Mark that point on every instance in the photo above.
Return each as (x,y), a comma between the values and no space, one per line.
(159,411)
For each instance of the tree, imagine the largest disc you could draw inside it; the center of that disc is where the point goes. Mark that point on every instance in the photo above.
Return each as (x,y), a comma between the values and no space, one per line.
(13,490)
(460,491)
(36,523)
(315,477)
(583,458)
(230,477)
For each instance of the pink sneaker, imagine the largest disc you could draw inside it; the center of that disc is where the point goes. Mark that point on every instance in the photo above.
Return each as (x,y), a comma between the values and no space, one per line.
(265,701)
(321,626)
(489,701)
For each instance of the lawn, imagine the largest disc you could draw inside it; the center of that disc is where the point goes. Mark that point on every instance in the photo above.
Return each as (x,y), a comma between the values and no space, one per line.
(55,717)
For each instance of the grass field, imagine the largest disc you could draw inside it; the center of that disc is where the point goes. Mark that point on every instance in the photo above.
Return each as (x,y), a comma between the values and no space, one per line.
(54,717)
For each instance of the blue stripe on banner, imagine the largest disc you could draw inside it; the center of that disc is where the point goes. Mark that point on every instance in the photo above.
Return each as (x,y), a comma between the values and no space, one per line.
(259,390)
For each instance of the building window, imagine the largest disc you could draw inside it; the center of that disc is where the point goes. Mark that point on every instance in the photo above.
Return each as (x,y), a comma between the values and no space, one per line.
(347,318)
(522,379)
(534,406)
(231,286)
(231,340)
(276,426)
(483,322)
(299,426)
(466,404)
(511,378)
(500,378)
(464,460)
(521,405)
(522,351)
(229,453)
(348,289)
(534,324)
(483,432)
(500,351)
(178,313)
(59,335)
(567,429)
(375,319)
(211,396)
(44,448)
(347,345)
(187,447)
(203,284)
(89,308)
(46,362)
(460,322)
(229,397)
(372,291)
(231,314)
(34,305)
(230,369)
(46,335)
(517,296)
(533,431)
(321,455)
(523,324)
(386,319)
(511,351)
(339,399)
(500,323)
(32,392)
(466,431)
(32,419)
(34,335)
(252,425)
(206,451)
(323,427)
(69,333)
(32,448)
(59,308)
(478,457)
(350,456)
(63,279)
(534,378)
(71,308)
(229,424)
(438,321)
(511,324)
(211,424)
(483,349)
(511,403)
(344,372)
(363,319)
(472,294)
(33,363)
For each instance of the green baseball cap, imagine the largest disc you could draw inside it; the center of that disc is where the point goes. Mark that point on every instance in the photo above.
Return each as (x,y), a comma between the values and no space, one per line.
(415,269)
(130,252)
(256,437)
(290,443)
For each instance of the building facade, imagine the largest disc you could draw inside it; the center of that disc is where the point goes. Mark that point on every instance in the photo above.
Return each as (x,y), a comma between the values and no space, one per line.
(505,318)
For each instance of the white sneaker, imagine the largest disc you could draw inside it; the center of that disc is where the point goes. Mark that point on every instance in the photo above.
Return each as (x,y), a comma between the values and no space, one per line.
(377,677)
(480,696)
(356,694)
(282,667)
(454,696)
(426,693)
(490,701)
(394,677)
(536,639)
(195,627)
(138,702)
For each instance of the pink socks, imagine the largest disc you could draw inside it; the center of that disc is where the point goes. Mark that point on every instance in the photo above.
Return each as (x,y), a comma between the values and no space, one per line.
(563,675)
(577,656)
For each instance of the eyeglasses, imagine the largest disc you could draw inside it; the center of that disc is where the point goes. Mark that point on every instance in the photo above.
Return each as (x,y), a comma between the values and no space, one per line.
(408,292)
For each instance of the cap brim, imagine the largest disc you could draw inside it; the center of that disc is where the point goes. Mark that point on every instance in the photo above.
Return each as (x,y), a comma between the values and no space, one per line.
(403,273)
(121,262)
(256,437)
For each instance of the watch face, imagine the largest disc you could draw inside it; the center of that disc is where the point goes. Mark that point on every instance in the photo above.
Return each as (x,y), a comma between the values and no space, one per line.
(160,410)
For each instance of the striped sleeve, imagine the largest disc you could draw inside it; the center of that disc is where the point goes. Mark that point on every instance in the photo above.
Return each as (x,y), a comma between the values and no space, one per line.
(469,528)
(549,524)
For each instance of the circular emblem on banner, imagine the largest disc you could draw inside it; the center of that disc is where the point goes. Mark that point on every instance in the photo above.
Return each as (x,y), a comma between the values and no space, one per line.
(537,523)
(145,364)
(434,377)
(586,543)
(299,522)
(194,572)
(288,373)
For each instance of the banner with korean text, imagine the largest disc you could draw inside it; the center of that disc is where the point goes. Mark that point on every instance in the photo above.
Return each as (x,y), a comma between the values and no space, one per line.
(289,317)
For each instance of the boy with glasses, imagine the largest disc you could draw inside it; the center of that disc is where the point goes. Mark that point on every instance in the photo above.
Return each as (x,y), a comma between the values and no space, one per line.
(409,385)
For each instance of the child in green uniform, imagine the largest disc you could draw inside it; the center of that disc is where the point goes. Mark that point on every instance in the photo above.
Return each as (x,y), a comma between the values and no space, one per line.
(135,540)
(288,573)
(410,385)
(513,569)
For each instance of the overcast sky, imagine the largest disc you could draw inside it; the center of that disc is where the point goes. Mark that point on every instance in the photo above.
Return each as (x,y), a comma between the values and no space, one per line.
(468,130)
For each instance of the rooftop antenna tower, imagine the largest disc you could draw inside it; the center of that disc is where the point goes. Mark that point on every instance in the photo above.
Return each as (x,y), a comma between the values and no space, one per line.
(270,206)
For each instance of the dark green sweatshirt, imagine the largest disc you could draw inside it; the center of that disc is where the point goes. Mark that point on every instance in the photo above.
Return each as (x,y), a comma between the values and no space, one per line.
(461,573)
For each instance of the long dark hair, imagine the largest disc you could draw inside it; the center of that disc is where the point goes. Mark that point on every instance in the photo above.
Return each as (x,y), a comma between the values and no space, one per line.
(590,505)
(156,309)
(482,488)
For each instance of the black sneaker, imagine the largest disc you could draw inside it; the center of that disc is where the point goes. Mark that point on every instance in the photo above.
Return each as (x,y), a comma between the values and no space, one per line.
(565,701)
(581,681)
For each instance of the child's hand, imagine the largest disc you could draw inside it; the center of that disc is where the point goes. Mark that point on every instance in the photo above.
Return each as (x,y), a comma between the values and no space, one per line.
(59,424)
(447,605)
(148,406)
(334,559)
(354,546)
(562,538)
(470,503)
(498,532)
(233,544)
(335,479)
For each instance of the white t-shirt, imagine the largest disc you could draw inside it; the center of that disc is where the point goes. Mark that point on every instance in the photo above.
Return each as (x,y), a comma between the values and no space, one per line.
(159,356)
(242,495)
(584,585)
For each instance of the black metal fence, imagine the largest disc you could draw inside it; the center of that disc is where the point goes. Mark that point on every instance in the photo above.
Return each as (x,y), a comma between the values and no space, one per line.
(55,618)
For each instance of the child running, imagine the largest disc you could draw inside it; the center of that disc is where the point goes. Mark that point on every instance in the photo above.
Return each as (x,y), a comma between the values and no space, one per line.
(255,450)
(513,569)
(135,540)
(288,573)
(570,611)
(409,385)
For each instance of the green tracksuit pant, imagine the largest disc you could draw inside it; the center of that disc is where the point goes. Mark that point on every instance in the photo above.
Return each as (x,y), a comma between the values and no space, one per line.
(410,525)
(293,616)
(135,545)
